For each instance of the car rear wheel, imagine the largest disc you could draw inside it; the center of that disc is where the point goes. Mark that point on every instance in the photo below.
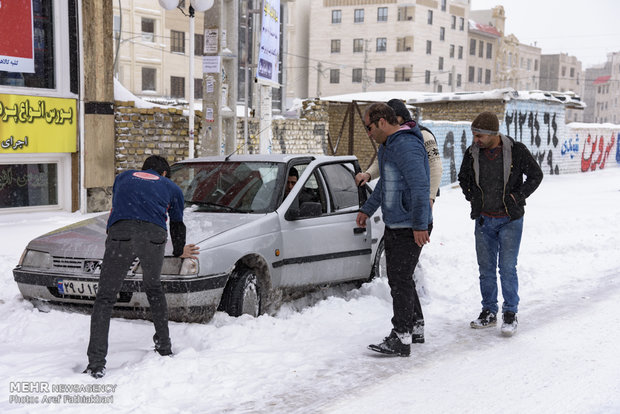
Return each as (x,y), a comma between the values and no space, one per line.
(243,293)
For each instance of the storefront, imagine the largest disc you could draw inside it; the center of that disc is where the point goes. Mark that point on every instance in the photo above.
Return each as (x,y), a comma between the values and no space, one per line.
(39,105)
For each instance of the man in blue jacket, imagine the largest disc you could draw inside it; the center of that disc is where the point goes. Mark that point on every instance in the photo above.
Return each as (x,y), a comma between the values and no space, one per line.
(141,202)
(402,193)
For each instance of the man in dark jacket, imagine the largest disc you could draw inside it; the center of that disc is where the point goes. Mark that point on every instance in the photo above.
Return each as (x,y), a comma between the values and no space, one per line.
(402,193)
(491,177)
(141,202)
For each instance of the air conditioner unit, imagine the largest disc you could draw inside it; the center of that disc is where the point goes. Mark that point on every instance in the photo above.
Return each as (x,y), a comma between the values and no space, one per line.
(409,17)
(408,48)
(407,79)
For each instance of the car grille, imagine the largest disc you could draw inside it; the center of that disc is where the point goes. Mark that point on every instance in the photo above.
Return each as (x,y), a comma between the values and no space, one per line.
(89,266)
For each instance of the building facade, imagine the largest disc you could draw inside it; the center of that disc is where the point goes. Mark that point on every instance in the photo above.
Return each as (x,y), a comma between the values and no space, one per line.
(482,51)
(373,45)
(602,91)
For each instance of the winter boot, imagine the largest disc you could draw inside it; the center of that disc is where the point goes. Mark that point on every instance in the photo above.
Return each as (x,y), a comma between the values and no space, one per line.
(394,345)
(417,336)
(509,327)
(485,320)
(96,372)
(163,348)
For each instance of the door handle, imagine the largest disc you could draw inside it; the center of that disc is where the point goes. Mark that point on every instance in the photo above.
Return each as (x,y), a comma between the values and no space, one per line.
(359,230)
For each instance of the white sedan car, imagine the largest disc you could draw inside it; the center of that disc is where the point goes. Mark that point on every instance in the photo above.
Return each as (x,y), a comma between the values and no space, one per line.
(258,245)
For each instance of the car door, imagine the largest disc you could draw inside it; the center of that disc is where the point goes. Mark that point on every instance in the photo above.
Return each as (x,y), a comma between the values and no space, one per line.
(321,242)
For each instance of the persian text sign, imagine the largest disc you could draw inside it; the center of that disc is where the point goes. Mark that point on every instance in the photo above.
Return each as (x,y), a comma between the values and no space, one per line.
(16,36)
(35,124)
(269,52)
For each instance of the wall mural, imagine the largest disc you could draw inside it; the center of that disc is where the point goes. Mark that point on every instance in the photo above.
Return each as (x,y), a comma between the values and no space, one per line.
(540,125)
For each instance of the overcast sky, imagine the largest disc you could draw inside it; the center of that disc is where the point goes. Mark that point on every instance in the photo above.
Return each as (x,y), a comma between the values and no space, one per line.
(587,29)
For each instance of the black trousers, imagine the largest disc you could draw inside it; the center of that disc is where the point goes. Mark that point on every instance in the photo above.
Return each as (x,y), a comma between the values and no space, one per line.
(128,239)
(401,256)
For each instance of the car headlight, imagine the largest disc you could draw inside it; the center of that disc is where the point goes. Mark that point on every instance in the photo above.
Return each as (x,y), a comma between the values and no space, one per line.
(176,266)
(34,258)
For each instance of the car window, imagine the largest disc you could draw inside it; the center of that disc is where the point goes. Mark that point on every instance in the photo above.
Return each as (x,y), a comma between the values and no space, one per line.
(340,178)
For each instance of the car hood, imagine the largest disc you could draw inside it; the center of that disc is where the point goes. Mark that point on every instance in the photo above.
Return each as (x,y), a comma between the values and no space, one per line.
(86,239)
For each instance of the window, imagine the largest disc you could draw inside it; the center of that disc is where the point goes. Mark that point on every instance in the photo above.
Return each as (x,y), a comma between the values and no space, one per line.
(116,26)
(442,33)
(177,87)
(357,75)
(472,47)
(380,75)
(336,16)
(148,30)
(461,23)
(529,64)
(440,66)
(404,44)
(27,185)
(343,190)
(358,45)
(402,73)
(563,71)
(460,52)
(429,17)
(451,51)
(177,41)
(453,22)
(487,76)
(479,75)
(358,16)
(572,72)
(481,49)
(489,50)
(443,5)
(148,79)
(382,14)
(335,45)
(198,88)
(334,76)
(381,44)
(450,79)
(439,88)
(472,74)
(535,65)
(429,47)
(198,44)
(427,77)
(406,13)
(458,80)
(45,63)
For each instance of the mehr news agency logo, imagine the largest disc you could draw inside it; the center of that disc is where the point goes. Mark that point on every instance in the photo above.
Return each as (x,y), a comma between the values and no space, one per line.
(40,392)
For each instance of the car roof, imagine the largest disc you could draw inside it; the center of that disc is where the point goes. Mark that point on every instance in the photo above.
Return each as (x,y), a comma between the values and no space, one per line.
(283,158)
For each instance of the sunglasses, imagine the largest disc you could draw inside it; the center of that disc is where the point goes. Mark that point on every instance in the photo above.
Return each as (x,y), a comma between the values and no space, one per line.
(369,126)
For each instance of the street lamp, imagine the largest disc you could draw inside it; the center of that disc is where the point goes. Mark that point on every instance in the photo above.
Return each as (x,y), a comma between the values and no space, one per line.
(199,6)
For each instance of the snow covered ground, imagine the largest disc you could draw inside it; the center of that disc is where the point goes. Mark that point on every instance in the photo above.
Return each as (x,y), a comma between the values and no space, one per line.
(311,356)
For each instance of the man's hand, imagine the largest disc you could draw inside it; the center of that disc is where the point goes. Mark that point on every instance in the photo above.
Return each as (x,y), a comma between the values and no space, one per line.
(421,237)
(361,178)
(190,251)
(361,219)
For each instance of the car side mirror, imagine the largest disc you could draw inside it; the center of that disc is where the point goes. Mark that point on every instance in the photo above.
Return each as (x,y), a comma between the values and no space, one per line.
(310,209)
(291,214)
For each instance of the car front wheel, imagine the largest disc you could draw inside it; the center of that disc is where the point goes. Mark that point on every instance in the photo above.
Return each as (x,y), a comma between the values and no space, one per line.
(243,293)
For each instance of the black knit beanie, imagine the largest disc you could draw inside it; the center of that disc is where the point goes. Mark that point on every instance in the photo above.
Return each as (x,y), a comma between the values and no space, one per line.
(400,109)
(486,123)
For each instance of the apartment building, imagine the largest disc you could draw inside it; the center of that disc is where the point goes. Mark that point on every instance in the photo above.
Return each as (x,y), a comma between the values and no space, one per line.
(561,72)
(374,45)
(519,65)
(151,48)
(483,47)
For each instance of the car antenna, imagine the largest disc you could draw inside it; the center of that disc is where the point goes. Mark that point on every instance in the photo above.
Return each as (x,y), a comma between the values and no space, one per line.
(232,153)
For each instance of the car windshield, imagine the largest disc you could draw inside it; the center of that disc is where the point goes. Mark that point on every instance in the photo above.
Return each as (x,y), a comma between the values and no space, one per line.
(225,186)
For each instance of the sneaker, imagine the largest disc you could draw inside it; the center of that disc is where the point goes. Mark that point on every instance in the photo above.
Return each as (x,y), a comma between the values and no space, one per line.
(417,336)
(394,345)
(96,373)
(509,327)
(163,348)
(485,320)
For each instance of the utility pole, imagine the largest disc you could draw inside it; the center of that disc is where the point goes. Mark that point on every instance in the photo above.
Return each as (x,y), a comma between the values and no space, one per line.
(365,74)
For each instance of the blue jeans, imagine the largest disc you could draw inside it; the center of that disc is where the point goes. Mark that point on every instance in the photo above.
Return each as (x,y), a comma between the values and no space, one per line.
(497,243)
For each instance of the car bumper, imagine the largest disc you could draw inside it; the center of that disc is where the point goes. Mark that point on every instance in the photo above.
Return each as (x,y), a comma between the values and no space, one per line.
(189,299)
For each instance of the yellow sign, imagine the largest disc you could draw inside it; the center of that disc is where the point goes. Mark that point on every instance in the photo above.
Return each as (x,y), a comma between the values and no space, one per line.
(34,124)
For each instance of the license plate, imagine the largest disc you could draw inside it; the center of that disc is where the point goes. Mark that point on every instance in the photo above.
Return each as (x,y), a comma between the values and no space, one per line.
(77,287)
